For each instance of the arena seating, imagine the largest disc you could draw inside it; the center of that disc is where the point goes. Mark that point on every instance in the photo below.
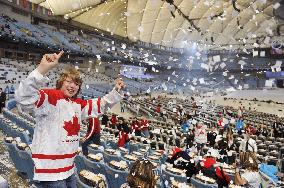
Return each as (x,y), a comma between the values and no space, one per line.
(82,162)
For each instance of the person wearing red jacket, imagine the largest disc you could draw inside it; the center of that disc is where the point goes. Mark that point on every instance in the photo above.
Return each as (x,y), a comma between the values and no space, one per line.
(123,137)
(250,129)
(113,121)
(136,127)
(93,134)
(207,167)
(158,110)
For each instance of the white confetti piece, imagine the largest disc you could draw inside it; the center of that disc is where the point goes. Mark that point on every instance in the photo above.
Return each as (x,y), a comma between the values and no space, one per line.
(204,66)
(123,46)
(241,62)
(262,54)
(255,53)
(278,63)
(231,89)
(164,87)
(276,5)
(268,83)
(216,58)
(223,65)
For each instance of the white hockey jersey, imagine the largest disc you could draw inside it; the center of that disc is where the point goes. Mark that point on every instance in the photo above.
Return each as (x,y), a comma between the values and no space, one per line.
(58,118)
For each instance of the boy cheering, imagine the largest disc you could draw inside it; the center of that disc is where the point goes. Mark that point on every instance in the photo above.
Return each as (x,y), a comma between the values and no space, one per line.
(58,114)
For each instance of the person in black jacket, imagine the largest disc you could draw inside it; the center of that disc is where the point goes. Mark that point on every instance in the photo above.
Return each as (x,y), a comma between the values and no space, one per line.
(181,160)
(105,120)
(211,136)
(2,99)
(231,148)
(189,138)
(276,128)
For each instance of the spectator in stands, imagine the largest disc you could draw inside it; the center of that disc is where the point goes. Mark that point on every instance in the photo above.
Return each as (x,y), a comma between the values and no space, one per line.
(113,121)
(181,160)
(222,147)
(248,144)
(221,124)
(189,138)
(240,125)
(211,136)
(231,147)
(123,136)
(136,127)
(251,177)
(142,174)
(105,120)
(200,136)
(137,108)
(2,99)
(185,125)
(158,109)
(277,128)
(93,134)
(240,112)
(250,129)
(262,131)
(207,167)
(121,123)
(122,107)
(58,117)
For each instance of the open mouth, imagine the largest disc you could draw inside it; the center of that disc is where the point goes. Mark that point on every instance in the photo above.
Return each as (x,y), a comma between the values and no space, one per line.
(71,91)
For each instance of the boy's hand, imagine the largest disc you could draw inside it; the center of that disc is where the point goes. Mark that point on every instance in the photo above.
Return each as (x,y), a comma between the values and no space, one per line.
(119,84)
(48,62)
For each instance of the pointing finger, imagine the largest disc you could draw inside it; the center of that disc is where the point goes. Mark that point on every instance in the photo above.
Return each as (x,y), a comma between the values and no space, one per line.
(60,54)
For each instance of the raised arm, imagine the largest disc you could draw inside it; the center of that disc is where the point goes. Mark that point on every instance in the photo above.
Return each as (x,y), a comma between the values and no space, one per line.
(28,92)
(99,106)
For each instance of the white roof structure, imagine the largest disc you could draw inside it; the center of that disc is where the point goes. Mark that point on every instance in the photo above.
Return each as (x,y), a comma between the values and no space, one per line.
(151,21)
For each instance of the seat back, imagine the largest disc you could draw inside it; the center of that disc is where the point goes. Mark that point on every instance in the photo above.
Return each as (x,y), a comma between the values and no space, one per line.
(94,151)
(14,155)
(166,175)
(79,162)
(115,177)
(199,184)
(95,167)
(109,157)
(28,162)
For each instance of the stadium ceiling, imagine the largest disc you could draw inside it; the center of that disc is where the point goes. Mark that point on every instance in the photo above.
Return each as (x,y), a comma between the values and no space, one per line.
(177,23)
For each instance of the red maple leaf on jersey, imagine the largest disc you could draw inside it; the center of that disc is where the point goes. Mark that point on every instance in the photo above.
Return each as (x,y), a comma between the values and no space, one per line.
(72,128)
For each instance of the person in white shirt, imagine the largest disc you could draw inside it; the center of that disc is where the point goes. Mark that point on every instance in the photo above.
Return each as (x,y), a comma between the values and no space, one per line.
(248,144)
(251,177)
(200,135)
